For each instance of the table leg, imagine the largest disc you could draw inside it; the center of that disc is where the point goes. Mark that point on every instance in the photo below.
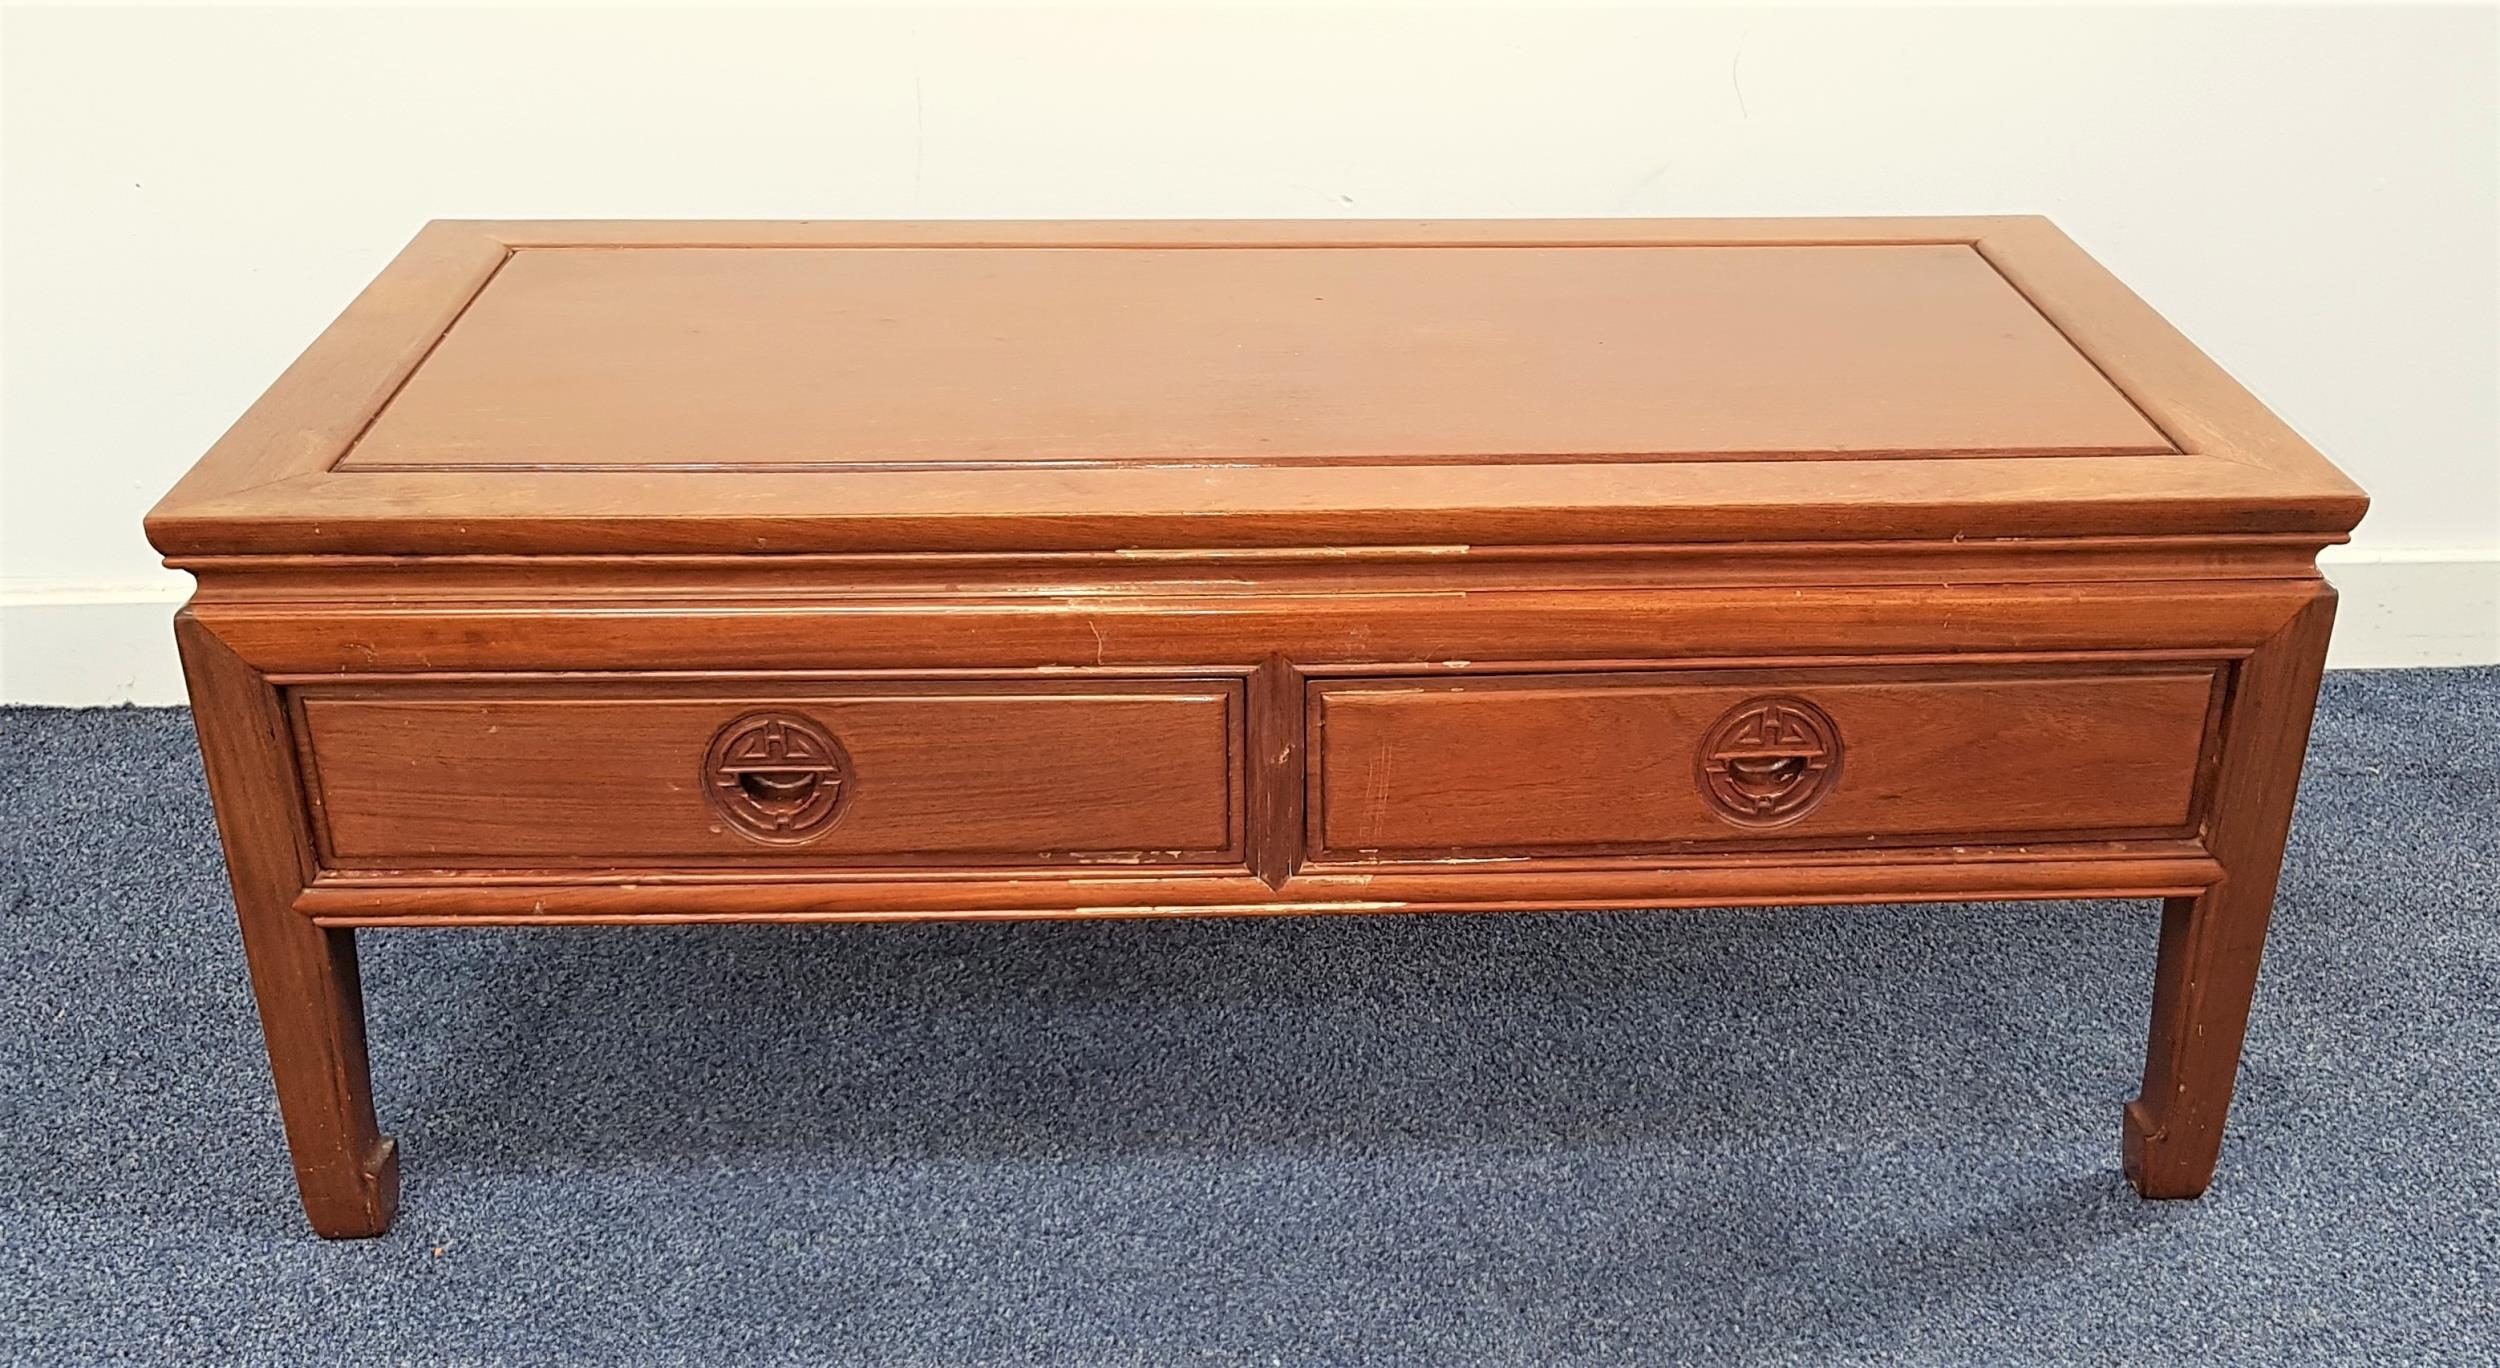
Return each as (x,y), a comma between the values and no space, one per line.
(313,1015)
(304,976)
(2211,943)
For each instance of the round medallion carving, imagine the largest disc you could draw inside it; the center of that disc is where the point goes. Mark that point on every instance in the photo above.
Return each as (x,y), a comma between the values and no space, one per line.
(1768,761)
(777,777)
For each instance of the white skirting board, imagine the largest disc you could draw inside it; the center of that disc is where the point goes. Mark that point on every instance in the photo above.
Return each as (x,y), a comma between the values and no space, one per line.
(89,648)
(2406,608)
(102,647)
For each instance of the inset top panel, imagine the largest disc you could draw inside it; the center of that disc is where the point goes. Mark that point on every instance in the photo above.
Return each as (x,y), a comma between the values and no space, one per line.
(832,357)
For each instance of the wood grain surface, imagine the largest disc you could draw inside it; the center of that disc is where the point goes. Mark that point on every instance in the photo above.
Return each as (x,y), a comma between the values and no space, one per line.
(1604,763)
(587,358)
(966,774)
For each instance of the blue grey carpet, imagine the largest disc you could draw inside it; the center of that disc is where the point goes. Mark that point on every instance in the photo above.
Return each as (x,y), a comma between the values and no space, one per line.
(1864,1135)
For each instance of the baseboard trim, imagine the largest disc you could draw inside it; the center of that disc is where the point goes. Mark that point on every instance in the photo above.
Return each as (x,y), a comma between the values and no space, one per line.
(2399,609)
(102,647)
(82,648)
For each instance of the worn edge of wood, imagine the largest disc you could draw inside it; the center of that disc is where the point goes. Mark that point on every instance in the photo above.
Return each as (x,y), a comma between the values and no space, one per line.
(1968,880)
(1263,508)
(1317,632)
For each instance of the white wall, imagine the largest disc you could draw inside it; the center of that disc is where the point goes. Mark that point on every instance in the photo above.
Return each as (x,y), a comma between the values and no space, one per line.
(2313,194)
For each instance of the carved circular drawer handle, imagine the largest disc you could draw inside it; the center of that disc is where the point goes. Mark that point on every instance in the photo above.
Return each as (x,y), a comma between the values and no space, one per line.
(777,777)
(1768,761)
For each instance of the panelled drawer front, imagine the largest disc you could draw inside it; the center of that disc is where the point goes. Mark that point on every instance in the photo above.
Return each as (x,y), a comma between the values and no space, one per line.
(619,774)
(1601,764)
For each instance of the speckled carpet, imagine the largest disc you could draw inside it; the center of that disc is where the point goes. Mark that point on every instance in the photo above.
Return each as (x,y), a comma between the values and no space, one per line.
(1854,1135)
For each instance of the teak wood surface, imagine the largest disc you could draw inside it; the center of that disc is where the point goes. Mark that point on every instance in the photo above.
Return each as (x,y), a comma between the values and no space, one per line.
(632,572)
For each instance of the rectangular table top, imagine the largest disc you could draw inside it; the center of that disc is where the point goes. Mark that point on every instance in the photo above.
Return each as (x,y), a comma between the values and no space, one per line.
(653,387)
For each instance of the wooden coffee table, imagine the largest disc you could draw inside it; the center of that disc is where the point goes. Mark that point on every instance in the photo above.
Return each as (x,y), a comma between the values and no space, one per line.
(604,573)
